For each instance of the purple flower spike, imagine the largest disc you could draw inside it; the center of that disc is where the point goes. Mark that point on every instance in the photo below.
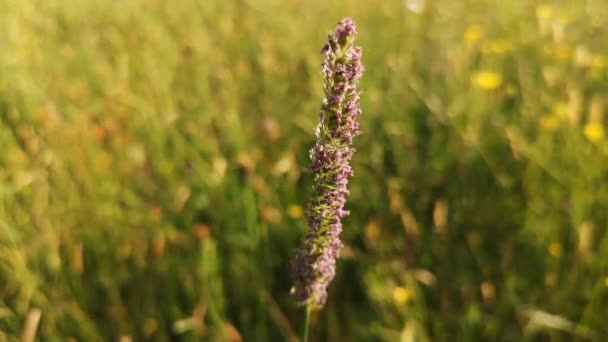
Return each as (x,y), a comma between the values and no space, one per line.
(314,265)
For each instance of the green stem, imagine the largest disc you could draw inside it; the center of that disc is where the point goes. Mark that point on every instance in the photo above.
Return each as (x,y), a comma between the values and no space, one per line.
(306,324)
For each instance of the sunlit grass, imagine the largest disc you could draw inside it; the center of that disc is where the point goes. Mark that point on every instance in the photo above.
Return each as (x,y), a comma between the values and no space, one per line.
(153,170)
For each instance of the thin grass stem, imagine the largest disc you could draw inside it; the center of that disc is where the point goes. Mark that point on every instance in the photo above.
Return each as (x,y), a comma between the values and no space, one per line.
(306,324)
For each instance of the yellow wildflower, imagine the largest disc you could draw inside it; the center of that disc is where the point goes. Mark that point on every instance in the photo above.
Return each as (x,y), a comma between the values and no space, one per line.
(606,281)
(555,250)
(594,131)
(402,295)
(473,33)
(295,211)
(545,14)
(544,11)
(488,80)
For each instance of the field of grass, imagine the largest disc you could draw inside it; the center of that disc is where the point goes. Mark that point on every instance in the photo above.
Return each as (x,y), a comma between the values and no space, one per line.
(154,155)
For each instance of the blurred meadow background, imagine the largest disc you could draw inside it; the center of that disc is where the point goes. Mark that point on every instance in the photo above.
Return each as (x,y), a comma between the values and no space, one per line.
(154,154)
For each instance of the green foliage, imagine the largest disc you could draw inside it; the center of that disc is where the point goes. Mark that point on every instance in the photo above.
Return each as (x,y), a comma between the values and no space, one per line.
(154,154)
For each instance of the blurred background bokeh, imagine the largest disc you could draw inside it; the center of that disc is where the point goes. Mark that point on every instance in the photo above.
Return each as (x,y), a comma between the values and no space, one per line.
(154,154)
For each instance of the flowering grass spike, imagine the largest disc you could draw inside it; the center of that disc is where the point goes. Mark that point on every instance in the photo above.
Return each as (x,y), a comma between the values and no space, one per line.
(315,260)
